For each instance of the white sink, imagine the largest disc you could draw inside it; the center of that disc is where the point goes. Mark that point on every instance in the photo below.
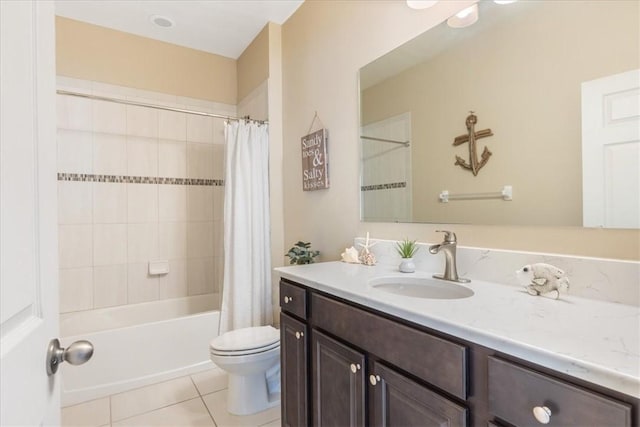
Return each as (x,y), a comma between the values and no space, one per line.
(420,287)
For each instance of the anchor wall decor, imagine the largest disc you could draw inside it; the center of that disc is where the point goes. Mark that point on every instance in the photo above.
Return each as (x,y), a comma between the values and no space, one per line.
(474,165)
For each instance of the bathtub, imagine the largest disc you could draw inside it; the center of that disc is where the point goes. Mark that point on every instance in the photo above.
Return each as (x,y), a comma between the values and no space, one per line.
(138,344)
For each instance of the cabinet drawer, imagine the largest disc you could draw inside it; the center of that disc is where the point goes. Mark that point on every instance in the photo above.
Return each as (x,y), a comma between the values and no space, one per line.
(514,391)
(293,299)
(435,360)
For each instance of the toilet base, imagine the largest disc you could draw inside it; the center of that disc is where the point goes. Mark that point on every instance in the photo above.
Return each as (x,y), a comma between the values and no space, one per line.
(248,394)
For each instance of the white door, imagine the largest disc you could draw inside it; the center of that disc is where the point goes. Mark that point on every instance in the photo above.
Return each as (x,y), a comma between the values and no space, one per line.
(28,213)
(611,151)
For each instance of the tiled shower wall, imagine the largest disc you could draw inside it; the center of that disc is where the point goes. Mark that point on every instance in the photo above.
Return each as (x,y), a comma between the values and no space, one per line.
(386,171)
(135,185)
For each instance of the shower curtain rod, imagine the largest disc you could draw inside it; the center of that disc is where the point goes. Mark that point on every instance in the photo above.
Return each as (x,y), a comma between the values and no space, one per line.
(157,107)
(393,141)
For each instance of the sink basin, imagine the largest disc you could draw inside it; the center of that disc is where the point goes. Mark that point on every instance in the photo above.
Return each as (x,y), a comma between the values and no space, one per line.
(420,287)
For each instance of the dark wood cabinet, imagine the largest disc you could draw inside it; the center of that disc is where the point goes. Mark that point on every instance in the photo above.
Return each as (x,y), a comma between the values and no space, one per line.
(441,363)
(397,400)
(294,374)
(344,364)
(338,378)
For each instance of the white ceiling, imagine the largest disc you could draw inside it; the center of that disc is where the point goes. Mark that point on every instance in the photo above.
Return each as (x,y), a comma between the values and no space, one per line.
(223,27)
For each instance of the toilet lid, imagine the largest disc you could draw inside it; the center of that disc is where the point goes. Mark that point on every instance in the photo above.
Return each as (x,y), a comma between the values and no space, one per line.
(246,339)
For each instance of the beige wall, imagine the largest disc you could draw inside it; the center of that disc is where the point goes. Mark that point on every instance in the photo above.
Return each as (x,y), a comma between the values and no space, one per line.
(324,45)
(253,64)
(90,52)
(276,165)
(526,88)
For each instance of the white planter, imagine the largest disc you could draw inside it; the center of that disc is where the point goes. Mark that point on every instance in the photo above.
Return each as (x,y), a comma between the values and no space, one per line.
(407,265)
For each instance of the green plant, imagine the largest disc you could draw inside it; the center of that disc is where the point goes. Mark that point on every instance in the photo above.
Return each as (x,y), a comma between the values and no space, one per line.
(407,248)
(301,253)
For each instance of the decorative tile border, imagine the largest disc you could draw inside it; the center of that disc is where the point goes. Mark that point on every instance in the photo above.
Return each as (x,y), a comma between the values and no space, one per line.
(126,179)
(387,186)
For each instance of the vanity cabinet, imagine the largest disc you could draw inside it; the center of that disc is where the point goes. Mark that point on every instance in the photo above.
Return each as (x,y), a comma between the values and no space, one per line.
(358,370)
(348,365)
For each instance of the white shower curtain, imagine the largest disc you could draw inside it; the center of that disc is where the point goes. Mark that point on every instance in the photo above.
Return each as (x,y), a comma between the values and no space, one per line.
(246,292)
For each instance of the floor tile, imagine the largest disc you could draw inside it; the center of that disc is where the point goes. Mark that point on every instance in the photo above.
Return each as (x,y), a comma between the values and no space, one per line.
(191,413)
(217,405)
(92,413)
(210,381)
(149,398)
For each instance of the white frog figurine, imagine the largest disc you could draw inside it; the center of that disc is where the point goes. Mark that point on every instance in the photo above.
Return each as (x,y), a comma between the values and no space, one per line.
(543,278)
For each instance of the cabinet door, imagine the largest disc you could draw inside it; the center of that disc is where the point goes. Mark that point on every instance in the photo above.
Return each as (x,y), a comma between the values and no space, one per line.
(396,400)
(338,383)
(293,356)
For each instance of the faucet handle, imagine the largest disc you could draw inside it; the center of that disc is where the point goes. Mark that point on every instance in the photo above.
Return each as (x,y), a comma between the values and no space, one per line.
(449,236)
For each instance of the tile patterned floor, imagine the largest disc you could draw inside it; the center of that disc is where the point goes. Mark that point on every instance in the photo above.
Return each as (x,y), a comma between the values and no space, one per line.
(194,400)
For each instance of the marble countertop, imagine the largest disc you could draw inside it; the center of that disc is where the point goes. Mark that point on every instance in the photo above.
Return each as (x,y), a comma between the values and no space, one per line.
(595,341)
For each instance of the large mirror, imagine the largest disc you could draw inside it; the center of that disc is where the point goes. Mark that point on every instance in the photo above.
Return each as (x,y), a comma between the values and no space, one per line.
(527,70)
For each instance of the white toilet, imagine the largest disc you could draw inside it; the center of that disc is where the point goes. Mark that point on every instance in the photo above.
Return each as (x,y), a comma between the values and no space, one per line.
(251,357)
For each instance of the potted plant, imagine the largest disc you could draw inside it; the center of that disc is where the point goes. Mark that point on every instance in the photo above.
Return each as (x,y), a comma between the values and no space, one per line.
(407,249)
(301,253)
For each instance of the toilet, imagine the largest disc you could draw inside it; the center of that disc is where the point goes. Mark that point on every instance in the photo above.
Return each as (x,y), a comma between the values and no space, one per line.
(251,357)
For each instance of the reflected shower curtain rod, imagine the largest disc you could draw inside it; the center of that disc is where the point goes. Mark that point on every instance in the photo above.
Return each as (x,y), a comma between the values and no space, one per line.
(393,141)
(157,107)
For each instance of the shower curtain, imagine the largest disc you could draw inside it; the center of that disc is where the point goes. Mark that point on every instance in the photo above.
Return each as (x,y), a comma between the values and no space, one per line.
(246,292)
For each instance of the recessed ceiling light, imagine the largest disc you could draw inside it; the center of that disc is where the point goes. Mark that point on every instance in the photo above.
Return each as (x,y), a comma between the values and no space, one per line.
(464,18)
(162,21)
(421,4)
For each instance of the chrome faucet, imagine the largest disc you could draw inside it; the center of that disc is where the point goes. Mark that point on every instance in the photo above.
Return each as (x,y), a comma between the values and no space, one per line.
(448,246)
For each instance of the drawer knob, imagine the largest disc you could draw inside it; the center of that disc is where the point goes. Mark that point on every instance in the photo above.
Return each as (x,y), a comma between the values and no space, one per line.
(373,379)
(287,299)
(355,367)
(299,335)
(542,414)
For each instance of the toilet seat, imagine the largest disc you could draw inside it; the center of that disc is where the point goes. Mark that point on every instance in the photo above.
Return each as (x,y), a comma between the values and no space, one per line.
(245,341)
(243,352)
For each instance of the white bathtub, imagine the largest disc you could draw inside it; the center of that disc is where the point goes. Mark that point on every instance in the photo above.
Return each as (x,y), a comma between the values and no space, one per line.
(138,344)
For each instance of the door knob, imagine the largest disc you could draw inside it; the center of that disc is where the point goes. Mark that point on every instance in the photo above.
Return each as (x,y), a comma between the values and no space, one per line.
(76,354)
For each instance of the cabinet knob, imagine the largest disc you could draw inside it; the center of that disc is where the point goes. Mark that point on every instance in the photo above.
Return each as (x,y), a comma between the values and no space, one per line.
(542,414)
(299,335)
(373,379)
(355,367)
(287,299)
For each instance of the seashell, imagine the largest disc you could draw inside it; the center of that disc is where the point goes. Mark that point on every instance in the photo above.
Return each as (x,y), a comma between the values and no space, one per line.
(350,255)
(368,258)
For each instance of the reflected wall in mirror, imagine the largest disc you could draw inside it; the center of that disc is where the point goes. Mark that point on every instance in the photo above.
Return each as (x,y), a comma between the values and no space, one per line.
(520,68)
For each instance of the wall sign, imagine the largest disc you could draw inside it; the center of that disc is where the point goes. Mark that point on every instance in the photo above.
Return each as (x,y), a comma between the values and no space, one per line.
(315,167)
